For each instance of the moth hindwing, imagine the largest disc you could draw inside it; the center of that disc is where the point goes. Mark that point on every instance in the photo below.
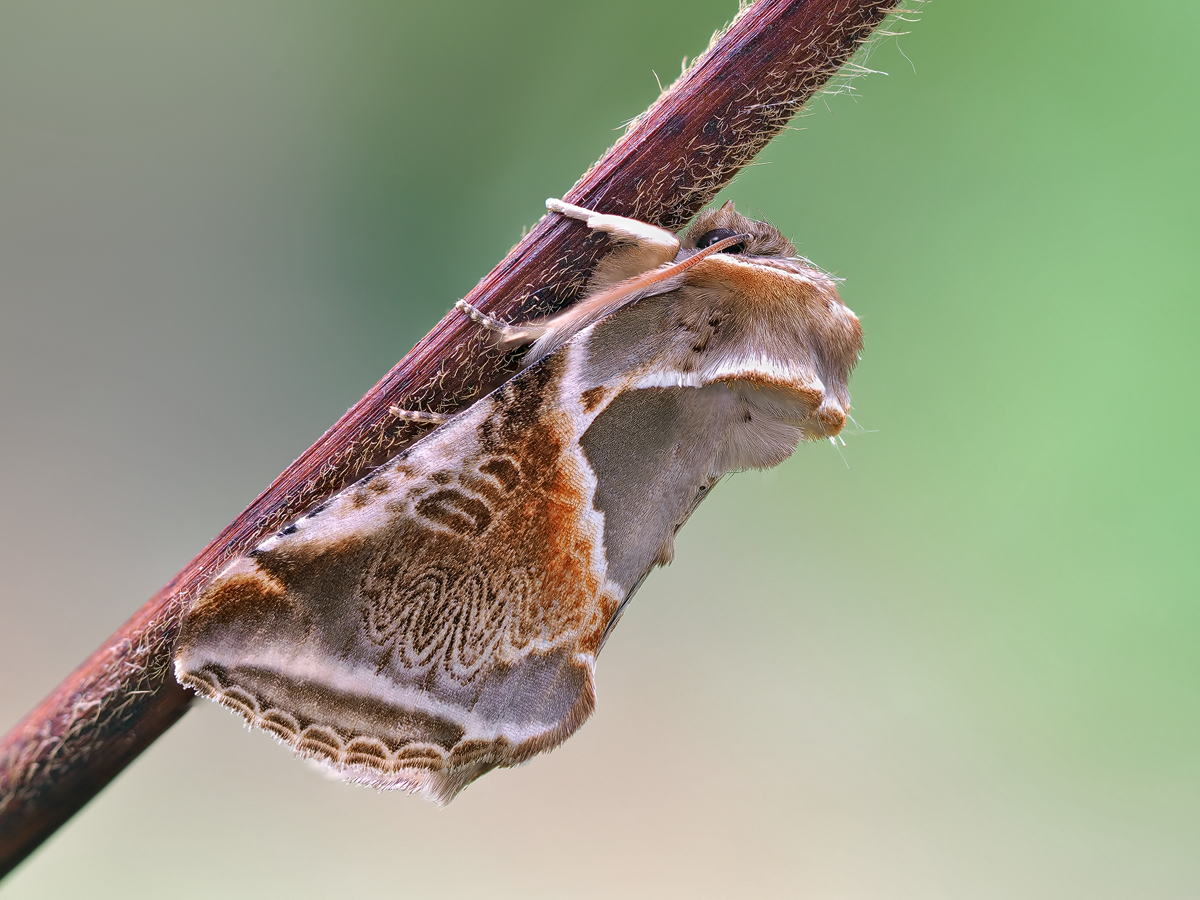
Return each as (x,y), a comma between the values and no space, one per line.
(442,616)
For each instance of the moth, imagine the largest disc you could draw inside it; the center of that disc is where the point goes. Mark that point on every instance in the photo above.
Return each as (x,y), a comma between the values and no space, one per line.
(442,616)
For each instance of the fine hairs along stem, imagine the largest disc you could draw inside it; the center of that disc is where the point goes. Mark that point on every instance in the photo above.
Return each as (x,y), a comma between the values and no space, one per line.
(670,162)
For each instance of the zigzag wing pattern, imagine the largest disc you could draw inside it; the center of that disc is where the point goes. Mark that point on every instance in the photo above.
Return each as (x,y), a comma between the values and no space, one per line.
(438,618)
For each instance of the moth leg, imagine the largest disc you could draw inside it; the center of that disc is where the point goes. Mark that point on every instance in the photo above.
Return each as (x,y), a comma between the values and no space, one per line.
(640,245)
(643,234)
(413,415)
(509,335)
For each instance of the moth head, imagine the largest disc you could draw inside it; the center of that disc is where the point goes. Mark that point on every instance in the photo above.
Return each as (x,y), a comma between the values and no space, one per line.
(713,225)
(781,325)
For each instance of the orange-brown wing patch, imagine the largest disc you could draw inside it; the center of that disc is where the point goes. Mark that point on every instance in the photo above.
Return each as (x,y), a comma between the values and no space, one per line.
(420,634)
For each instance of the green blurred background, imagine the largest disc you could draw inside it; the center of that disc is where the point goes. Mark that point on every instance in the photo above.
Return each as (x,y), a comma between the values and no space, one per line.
(957,658)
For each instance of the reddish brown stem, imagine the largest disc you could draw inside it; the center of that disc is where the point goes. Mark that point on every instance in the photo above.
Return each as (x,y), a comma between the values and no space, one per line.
(671,162)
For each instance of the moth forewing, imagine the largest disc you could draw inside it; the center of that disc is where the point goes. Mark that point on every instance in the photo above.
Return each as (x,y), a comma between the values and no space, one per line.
(442,616)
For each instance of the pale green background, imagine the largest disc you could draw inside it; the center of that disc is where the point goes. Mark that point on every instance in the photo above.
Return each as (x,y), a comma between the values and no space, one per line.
(957,658)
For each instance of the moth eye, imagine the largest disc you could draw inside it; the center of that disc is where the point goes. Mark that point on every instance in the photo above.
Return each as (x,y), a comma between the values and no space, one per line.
(719,234)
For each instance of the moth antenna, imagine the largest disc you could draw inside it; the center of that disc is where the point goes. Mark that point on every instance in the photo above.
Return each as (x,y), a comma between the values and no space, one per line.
(701,254)
(641,282)
(413,415)
(558,328)
(509,335)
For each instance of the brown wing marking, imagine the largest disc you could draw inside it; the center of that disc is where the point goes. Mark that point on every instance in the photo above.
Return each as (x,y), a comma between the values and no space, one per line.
(421,634)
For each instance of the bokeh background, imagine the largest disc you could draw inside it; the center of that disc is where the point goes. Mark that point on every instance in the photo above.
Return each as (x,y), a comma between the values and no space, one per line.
(956,658)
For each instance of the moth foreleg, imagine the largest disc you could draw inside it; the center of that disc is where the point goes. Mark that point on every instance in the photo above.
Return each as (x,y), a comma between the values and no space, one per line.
(508,335)
(413,415)
(643,234)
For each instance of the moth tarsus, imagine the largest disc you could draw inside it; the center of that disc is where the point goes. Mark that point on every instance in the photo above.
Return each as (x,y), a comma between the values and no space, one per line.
(570,210)
(479,317)
(442,616)
(507,336)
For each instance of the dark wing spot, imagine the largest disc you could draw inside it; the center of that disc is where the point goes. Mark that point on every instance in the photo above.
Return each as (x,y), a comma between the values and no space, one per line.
(503,470)
(591,397)
(456,511)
